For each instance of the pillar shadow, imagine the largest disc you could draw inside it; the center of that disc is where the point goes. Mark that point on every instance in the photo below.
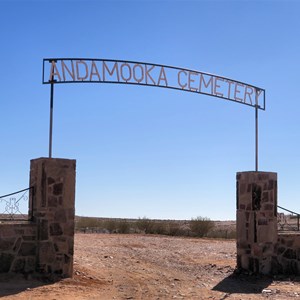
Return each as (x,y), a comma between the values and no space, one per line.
(243,284)
(11,284)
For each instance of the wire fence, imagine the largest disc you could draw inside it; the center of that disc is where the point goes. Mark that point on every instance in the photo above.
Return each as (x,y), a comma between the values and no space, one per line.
(287,220)
(15,206)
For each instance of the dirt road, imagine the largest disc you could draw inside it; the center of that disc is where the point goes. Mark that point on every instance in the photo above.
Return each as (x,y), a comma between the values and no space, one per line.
(151,267)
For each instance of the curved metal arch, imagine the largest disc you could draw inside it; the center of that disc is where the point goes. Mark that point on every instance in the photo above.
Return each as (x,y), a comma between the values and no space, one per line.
(86,70)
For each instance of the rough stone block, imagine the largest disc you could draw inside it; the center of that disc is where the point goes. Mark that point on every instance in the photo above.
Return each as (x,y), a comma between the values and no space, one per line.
(265,197)
(245,262)
(17,244)
(27,249)
(263,221)
(296,241)
(19,265)
(19,231)
(43,228)
(253,264)
(268,249)
(265,266)
(271,184)
(52,201)
(276,266)
(290,267)
(69,228)
(280,250)
(71,246)
(268,206)
(55,229)
(7,231)
(58,189)
(46,253)
(29,237)
(7,243)
(266,234)
(290,254)
(256,251)
(6,260)
(30,264)
(60,216)
(50,180)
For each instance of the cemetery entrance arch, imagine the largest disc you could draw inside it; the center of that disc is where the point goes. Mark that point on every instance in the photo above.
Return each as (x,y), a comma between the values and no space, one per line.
(89,70)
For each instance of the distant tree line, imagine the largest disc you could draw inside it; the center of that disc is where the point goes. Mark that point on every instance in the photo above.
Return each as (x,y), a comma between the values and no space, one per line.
(196,227)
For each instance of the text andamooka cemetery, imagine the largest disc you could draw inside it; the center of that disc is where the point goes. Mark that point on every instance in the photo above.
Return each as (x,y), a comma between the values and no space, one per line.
(126,72)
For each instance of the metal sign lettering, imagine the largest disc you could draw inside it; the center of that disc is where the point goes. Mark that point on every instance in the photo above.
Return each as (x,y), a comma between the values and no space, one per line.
(81,70)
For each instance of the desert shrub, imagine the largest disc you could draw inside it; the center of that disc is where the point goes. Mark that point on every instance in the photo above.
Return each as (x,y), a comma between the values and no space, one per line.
(145,225)
(123,226)
(222,234)
(158,227)
(86,222)
(149,226)
(200,226)
(174,229)
(111,225)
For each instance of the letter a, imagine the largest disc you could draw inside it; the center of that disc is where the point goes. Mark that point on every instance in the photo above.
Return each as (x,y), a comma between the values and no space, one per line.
(162,76)
(96,73)
(54,72)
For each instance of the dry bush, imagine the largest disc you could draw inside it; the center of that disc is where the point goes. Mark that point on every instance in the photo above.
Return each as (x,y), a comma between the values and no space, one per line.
(111,226)
(86,222)
(145,225)
(222,234)
(200,226)
(174,229)
(123,226)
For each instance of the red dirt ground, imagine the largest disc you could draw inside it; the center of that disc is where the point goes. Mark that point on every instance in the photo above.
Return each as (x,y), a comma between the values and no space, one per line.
(151,267)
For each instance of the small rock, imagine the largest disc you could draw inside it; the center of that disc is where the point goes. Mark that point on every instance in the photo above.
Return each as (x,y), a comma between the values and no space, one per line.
(266,291)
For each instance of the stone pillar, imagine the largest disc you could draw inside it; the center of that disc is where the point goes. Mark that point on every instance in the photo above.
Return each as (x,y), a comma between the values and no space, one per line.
(256,221)
(53,210)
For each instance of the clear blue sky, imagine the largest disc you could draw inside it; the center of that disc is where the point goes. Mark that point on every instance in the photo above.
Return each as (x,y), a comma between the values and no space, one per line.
(144,151)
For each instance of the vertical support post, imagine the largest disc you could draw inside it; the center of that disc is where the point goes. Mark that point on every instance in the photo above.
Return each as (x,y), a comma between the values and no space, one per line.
(256,138)
(51,118)
(257,92)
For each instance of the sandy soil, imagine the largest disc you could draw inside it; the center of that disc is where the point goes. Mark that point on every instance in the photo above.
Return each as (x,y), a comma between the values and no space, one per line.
(151,267)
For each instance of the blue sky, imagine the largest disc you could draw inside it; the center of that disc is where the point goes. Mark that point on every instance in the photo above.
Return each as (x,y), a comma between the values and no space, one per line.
(144,151)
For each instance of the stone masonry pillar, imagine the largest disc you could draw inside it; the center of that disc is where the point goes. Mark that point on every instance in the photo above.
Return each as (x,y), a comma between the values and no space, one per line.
(53,210)
(256,221)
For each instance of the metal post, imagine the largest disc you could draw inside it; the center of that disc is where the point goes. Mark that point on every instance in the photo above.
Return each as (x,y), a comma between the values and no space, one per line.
(256,129)
(51,119)
(256,138)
